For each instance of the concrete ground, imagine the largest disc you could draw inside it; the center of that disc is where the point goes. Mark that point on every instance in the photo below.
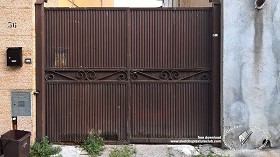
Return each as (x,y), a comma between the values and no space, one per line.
(175,151)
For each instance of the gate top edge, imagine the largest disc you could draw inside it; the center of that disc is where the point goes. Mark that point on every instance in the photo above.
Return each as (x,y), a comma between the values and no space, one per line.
(125,9)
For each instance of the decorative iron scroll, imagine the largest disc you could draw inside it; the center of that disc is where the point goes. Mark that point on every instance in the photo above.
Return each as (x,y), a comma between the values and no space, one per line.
(88,75)
(171,75)
(125,75)
(85,75)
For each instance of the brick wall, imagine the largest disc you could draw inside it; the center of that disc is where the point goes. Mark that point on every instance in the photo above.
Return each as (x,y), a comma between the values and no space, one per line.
(20,34)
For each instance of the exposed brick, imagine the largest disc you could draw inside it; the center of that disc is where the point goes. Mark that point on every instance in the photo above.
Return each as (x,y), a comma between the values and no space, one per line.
(6,113)
(17,78)
(22,18)
(22,4)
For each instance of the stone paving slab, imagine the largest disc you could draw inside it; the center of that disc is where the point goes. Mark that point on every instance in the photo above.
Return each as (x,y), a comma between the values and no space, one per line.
(174,151)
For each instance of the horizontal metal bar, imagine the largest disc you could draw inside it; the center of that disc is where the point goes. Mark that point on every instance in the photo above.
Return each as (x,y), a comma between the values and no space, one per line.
(78,69)
(86,82)
(125,82)
(132,69)
(124,9)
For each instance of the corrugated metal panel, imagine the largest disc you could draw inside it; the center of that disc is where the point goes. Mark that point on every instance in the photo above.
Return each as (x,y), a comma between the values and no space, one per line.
(171,58)
(75,109)
(131,73)
(86,38)
(83,46)
(170,110)
(170,38)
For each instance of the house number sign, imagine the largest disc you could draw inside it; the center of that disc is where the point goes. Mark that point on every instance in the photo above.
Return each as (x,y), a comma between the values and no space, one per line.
(12,25)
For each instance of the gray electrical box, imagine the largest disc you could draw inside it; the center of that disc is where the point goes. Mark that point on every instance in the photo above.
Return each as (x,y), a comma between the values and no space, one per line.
(21,104)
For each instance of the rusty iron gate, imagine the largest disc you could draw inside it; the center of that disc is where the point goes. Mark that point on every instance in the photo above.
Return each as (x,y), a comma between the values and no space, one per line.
(136,75)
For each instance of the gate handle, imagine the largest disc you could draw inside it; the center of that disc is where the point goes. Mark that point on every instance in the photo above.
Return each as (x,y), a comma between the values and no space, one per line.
(36,92)
(215,35)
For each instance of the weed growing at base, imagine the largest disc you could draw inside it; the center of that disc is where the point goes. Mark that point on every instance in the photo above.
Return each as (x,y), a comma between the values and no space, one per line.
(43,148)
(125,151)
(93,144)
(210,154)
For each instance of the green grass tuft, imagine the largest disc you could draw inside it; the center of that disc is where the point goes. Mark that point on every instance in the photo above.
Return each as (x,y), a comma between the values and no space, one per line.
(43,149)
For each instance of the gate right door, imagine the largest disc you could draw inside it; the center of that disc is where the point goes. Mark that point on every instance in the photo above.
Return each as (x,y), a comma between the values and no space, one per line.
(170,60)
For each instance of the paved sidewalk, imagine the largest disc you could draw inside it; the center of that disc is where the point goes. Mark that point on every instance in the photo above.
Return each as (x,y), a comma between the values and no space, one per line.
(175,151)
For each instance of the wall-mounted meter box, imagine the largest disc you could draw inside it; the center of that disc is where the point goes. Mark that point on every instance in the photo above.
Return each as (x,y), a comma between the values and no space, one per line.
(14,56)
(21,104)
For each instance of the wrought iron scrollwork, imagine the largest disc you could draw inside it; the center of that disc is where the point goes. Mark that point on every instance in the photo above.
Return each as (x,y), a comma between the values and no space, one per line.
(198,75)
(123,75)
(205,76)
(49,77)
(170,75)
(91,75)
(175,75)
(86,75)
(165,75)
(81,75)
(134,75)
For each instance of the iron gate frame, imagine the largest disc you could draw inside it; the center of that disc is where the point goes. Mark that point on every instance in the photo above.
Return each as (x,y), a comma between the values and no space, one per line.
(40,70)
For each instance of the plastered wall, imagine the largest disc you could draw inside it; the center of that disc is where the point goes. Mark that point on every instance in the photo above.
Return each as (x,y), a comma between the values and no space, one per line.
(251,61)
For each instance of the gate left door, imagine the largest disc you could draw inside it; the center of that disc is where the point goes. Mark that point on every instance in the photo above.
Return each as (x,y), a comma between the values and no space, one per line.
(85,75)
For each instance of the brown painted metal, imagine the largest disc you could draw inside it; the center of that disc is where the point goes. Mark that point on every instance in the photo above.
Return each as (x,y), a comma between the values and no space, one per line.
(138,75)
(128,122)
(40,65)
(171,38)
(74,109)
(86,74)
(216,62)
(168,46)
(86,38)
(170,110)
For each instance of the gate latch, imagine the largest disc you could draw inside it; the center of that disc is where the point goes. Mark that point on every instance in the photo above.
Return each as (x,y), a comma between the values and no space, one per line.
(36,92)
(215,35)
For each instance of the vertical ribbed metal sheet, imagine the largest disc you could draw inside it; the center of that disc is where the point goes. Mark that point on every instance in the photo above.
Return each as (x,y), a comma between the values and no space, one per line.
(168,42)
(170,110)
(171,38)
(86,56)
(76,109)
(139,75)
(86,38)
